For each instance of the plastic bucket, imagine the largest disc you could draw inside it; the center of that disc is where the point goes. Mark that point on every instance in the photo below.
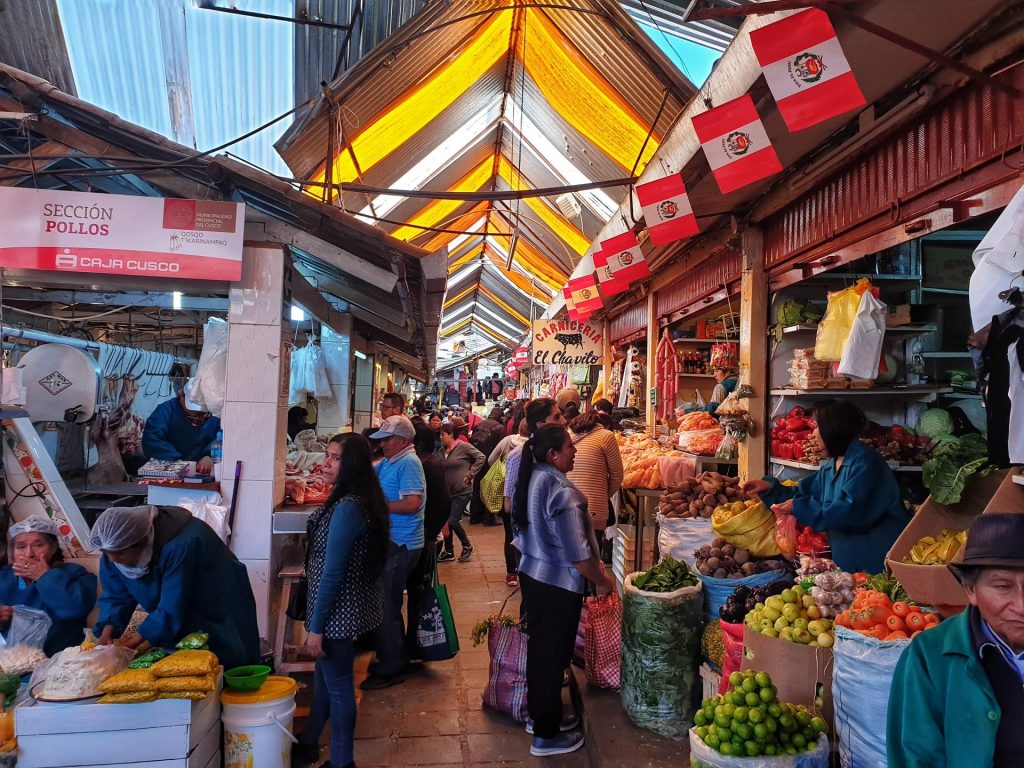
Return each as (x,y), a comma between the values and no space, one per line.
(258,725)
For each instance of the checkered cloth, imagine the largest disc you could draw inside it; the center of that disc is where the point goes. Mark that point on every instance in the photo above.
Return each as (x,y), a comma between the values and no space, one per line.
(602,641)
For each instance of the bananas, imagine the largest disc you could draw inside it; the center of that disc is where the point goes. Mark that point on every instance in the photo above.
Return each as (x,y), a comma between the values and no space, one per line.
(932,550)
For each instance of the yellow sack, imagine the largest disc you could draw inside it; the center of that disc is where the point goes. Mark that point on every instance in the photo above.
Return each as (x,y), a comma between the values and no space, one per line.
(189,695)
(186,683)
(834,329)
(129,681)
(135,697)
(182,663)
(753,529)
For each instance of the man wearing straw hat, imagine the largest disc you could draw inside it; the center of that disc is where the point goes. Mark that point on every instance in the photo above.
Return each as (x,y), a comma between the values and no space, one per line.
(957,696)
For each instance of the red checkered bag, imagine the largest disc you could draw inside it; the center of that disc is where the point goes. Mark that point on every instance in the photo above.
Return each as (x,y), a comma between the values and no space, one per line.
(578,653)
(602,647)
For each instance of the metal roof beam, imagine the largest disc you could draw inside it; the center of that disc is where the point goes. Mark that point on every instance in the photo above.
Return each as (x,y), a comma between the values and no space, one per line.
(140,299)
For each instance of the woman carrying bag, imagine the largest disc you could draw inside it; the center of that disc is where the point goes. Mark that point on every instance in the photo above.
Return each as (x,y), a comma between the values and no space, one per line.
(559,557)
(348,543)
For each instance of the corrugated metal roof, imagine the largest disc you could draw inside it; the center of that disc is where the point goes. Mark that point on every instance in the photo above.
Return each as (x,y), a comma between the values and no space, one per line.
(30,40)
(567,79)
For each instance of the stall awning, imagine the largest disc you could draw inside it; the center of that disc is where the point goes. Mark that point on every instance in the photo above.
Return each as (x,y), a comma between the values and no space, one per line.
(488,98)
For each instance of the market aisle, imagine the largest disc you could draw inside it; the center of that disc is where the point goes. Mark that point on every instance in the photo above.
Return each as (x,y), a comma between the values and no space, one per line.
(436,716)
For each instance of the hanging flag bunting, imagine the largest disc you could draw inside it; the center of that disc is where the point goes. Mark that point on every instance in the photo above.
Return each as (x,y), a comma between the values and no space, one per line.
(584,294)
(806,70)
(624,258)
(521,355)
(570,306)
(605,279)
(736,144)
(667,210)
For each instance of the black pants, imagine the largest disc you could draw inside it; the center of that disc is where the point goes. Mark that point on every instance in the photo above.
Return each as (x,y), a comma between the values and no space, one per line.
(553,616)
(477,511)
(511,553)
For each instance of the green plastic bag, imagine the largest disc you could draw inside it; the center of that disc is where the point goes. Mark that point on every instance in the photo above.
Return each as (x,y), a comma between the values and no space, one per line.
(835,327)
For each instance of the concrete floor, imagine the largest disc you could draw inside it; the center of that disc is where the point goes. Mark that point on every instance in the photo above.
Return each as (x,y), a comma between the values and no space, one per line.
(436,717)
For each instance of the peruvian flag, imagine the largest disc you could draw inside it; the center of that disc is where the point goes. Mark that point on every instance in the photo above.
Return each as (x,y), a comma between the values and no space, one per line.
(585,295)
(736,144)
(806,70)
(522,355)
(570,306)
(605,279)
(667,210)
(624,259)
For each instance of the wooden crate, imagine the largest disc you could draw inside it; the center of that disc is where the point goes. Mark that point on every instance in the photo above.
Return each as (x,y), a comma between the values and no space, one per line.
(160,734)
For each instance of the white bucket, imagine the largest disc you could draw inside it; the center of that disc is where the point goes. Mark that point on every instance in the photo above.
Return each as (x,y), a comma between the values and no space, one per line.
(259,735)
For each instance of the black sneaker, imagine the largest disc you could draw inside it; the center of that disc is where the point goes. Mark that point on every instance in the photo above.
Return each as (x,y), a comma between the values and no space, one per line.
(305,755)
(379,682)
(567,724)
(446,556)
(467,552)
(562,744)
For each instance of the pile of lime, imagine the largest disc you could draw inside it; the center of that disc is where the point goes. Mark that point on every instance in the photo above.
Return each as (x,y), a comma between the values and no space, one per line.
(749,720)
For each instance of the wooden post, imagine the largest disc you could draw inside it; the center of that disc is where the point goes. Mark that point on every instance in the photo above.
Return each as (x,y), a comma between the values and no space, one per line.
(753,460)
(652,346)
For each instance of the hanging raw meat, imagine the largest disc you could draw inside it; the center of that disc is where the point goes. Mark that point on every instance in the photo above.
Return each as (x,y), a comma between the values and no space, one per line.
(105,429)
(667,370)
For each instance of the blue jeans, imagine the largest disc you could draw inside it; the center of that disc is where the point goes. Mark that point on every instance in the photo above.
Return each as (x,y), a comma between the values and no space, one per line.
(334,699)
(389,637)
(458,509)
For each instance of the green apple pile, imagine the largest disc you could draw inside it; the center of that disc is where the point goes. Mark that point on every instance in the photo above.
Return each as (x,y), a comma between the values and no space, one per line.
(750,721)
(793,616)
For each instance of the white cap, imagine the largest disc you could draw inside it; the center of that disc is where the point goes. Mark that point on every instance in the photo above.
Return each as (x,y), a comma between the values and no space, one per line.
(395,426)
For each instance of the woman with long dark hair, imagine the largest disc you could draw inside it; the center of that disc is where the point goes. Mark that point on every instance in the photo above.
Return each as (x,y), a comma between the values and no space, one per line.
(854,496)
(559,556)
(348,544)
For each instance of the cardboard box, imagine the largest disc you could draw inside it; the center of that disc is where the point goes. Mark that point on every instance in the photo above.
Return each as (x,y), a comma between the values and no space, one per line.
(897,314)
(934,585)
(800,673)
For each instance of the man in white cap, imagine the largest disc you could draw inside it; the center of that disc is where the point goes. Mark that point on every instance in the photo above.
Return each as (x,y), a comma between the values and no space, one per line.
(180,429)
(402,480)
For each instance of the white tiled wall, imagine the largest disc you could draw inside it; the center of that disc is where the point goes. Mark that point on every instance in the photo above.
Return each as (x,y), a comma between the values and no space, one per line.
(259,578)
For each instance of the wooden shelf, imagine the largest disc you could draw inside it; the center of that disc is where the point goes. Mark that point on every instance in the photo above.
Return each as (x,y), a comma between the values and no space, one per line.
(815,467)
(910,330)
(946,291)
(705,341)
(707,459)
(877,391)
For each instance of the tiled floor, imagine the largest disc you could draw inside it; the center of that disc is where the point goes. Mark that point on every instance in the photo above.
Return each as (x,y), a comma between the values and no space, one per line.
(436,717)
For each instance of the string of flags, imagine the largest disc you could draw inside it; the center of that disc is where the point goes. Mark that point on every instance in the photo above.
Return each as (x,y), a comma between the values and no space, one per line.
(811,81)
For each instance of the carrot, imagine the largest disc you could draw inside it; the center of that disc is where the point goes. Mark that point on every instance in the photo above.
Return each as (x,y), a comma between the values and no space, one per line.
(894,623)
(879,632)
(931,619)
(916,621)
(915,634)
(901,609)
(897,635)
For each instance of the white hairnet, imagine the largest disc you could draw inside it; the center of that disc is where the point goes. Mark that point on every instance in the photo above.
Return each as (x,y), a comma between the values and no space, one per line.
(35,524)
(121,527)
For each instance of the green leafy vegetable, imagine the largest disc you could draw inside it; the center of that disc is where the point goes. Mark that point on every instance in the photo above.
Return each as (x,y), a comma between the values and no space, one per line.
(667,576)
(946,474)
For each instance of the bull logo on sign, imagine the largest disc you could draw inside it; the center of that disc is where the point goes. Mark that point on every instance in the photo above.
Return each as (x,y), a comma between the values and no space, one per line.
(569,340)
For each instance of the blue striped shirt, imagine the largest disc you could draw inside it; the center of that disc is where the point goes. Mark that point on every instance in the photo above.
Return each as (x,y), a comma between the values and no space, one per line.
(560,531)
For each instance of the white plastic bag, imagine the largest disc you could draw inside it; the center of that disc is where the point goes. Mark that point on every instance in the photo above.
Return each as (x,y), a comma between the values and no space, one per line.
(705,757)
(308,374)
(679,537)
(12,390)
(863,347)
(998,258)
(208,385)
(29,626)
(214,515)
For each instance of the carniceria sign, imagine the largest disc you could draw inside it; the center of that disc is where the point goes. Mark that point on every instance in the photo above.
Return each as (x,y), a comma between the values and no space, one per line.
(566,342)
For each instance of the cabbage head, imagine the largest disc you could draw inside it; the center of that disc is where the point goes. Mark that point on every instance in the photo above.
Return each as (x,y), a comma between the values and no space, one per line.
(935,422)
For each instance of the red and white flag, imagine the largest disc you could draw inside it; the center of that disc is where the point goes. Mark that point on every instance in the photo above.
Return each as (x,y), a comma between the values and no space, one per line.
(736,144)
(806,69)
(605,279)
(522,355)
(585,295)
(667,210)
(624,258)
(570,306)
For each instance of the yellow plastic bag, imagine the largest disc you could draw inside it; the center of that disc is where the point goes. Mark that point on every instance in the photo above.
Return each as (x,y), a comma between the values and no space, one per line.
(753,529)
(129,681)
(136,697)
(835,327)
(185,683)
(186,663)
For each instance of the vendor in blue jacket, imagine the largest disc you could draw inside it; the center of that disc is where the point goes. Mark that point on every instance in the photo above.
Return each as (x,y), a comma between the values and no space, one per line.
(182,574)
(854,496)
(957,696)
(37,577)
(179,429)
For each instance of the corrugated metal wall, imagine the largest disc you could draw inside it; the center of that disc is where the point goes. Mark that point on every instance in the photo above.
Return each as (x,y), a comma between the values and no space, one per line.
(974,127)
(702,281)
(633,320)
(316,49)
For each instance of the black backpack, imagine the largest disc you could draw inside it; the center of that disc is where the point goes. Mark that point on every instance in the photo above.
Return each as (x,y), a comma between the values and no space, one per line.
(486,436)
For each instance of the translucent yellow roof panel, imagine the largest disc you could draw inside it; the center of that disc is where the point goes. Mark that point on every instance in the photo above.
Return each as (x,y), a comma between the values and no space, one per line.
(553,219)
(438,212)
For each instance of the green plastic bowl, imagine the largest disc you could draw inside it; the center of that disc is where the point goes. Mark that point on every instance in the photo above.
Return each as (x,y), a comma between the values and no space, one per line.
(248,678)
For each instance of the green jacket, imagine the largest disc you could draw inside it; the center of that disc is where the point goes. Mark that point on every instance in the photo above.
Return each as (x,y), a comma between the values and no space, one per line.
(942,709)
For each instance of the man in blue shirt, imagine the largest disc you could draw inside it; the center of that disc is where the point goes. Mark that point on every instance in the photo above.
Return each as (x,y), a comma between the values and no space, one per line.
(179,429)
(402,480)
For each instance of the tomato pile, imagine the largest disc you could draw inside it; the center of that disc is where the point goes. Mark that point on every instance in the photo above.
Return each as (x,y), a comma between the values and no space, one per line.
(898,443)
(875,615)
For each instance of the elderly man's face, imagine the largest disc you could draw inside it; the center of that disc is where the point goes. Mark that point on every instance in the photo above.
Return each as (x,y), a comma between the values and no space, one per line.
(392,446)
(998,594)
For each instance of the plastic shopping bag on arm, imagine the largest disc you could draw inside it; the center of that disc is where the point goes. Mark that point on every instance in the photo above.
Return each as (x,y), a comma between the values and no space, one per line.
(864,346)
(835,327)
